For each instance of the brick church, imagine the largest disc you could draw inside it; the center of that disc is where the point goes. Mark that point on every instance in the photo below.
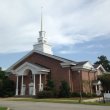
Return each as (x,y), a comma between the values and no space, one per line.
(32,71)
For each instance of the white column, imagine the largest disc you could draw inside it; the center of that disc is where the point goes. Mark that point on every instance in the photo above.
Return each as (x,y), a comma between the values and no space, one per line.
(17,86)
(40,82)
(34,87)
(22,86)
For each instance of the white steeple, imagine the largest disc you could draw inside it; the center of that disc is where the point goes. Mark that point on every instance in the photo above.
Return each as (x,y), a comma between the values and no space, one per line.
(42,44)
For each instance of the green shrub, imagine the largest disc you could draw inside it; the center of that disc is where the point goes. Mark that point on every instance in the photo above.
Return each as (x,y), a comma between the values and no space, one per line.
(75,94)
(50,85)
(94,95)
(45,94)
(88,95)
(84,94)
(7,86)
(64,89)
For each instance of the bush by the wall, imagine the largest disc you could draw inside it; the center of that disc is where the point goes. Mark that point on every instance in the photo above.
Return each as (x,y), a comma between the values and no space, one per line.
(50,85)
(45,94)
(75,94)
(89,95)
(64,89)
(84,94)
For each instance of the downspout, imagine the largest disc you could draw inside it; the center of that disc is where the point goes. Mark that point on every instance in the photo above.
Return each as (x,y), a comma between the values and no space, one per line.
(70,79)
(90,87)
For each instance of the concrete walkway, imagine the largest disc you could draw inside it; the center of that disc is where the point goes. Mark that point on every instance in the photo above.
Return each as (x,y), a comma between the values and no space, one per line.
(93,100)
(22,105)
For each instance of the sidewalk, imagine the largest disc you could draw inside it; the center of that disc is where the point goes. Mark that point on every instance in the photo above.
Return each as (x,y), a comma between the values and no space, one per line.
(93,100)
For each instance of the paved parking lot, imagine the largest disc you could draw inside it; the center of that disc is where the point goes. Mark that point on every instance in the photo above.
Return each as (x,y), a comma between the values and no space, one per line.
(22,105)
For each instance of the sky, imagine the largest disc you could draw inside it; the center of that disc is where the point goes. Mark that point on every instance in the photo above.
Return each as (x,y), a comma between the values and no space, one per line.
(78,30)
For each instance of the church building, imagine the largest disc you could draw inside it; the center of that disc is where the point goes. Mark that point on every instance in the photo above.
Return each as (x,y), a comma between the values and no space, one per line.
(32,71)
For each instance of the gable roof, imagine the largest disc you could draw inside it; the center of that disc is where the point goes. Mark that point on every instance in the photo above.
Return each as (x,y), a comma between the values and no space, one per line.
(81,63)
(44,54)
(84,65)
(98,66)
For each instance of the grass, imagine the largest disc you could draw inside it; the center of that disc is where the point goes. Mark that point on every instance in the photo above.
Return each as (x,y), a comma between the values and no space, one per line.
(60,100)
(97,103)
(3,108)
(52,100)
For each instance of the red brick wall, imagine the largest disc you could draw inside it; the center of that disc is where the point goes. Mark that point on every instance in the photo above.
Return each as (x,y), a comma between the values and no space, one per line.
(57,72)
(87,79)
(82,81)
(75,80)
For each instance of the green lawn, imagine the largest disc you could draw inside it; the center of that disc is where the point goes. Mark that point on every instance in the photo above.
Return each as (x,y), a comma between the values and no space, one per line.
(97,103)
(3,108)
(52,100)
(59,100)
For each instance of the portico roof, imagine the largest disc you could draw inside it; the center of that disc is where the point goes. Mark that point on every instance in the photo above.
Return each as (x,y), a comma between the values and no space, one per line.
(36,69)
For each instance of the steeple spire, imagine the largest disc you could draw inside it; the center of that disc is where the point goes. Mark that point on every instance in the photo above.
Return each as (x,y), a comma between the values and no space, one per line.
(41,32)
(41,18)
(42,44)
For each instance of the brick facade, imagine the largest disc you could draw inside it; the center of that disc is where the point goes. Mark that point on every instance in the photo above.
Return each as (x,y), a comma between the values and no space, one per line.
(77,81)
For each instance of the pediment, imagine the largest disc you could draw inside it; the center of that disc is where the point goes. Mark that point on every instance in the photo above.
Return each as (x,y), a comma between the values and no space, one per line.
(35,69)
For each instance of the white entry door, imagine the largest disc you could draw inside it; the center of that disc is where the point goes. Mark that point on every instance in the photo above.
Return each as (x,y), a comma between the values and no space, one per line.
(31,89)
(24,89)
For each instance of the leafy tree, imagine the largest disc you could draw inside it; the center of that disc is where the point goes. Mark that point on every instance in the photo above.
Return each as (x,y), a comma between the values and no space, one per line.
(7,86)
(105,80)
(64,89)
(2,74)
(104,62)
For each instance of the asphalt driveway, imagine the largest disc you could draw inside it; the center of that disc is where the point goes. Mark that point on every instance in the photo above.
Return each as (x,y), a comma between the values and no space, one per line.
(22,105)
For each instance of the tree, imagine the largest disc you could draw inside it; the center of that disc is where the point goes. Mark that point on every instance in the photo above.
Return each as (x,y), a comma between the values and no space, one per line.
(7,86)
(105,80)
(104,62)
(64,89)
(2,74)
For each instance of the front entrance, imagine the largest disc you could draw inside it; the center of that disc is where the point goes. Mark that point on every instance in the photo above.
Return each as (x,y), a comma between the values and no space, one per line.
(31,86)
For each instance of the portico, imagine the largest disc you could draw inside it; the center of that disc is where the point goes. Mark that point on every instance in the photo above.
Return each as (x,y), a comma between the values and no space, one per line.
(29,79)
(97,85)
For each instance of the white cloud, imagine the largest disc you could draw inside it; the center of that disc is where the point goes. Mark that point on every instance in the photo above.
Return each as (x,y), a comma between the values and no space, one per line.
(68,51)
(95,46)
(66,22)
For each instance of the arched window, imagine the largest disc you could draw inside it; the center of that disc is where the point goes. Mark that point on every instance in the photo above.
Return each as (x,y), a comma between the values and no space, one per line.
(29,73)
